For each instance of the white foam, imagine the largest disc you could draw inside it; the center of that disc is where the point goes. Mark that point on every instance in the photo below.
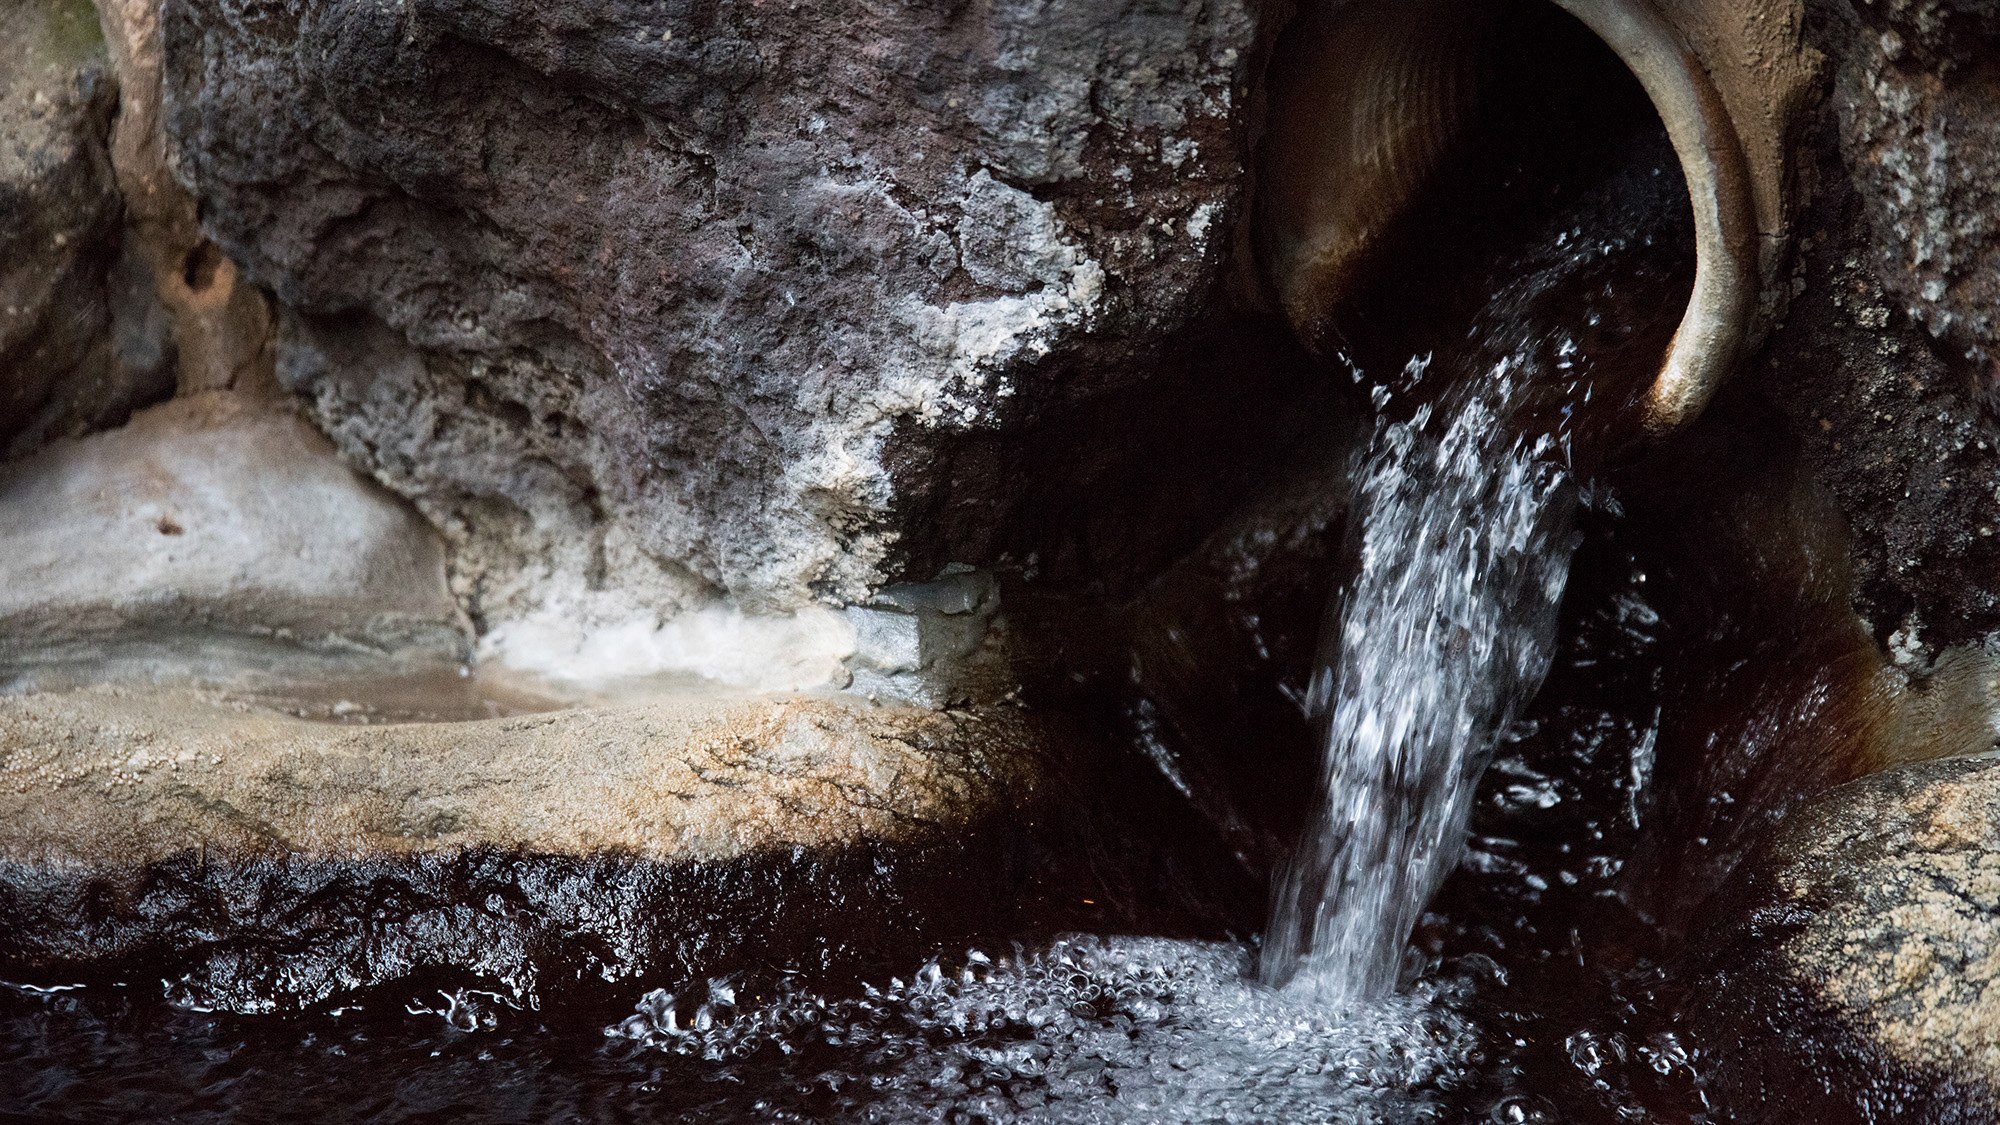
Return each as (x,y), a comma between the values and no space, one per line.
(1108,1031)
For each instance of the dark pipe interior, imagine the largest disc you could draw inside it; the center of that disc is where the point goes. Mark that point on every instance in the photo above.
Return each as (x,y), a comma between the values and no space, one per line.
(1564,152)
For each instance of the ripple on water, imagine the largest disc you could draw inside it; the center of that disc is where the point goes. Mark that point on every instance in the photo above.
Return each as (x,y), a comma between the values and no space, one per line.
(1090,1030)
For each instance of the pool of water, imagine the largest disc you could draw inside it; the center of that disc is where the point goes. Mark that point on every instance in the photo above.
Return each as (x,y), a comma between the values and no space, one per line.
(1082,1030)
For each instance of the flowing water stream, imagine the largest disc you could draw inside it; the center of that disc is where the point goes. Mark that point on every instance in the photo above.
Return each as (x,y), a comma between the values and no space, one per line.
(1463,548)
(1460,534)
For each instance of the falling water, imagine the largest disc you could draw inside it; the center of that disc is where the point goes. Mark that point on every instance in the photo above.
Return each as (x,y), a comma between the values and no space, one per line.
(1444,632)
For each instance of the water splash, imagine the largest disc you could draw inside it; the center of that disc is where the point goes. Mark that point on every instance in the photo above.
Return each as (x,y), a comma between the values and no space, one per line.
(1091,1030)
(1446,630)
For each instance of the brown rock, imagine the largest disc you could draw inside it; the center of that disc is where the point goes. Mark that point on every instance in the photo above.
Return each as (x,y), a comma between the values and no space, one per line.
(222,330)
(76,354)
(1861,975)
(114,778)
(255,859)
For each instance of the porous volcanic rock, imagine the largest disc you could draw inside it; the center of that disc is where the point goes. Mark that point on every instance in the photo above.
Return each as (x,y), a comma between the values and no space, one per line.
(259,859)
(77,353)
(1859,980)
(1919,106)
(640,302)
(1883,364)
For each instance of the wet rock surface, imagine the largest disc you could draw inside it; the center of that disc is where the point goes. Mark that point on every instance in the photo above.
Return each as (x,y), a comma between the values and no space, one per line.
(649,298)
(1919,104)
(1856,978)
(265,860)
(1878,363)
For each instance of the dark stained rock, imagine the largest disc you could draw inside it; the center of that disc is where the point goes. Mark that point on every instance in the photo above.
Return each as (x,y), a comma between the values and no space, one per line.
(1858,978)
(666,299)
(260,860)
(1882,365)
(1894,434)
(77,351)
(1919,104)
(290,932)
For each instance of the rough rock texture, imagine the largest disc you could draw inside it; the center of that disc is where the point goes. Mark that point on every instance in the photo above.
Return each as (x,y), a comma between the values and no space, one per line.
(282,933)
(649,295)
(245,845)
(77,352)
(1920,127)
(1892,277)
(1860,977)
(221,329)
(204,516)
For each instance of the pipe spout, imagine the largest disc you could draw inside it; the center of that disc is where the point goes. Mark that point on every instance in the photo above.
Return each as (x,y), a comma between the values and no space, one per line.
(1371,102)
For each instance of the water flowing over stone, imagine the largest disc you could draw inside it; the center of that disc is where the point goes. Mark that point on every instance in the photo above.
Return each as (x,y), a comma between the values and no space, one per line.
(1445,631)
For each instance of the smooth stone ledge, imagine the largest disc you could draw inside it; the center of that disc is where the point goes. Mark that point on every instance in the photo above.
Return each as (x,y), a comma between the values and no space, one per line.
(211,515)
(112,777)
(255,861)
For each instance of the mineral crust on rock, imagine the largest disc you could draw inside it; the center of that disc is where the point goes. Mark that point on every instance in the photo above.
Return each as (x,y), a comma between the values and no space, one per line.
(640,303)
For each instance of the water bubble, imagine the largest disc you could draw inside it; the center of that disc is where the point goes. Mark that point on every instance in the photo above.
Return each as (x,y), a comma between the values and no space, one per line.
(464,1009)
(1523,1109)
(1112,1030)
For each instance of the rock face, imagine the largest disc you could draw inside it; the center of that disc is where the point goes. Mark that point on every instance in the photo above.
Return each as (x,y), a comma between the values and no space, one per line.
(205,519)
(639,302)
(638,306)
(1884,361)
(78,351)
(1858,979)
(221,329)
(1920,123)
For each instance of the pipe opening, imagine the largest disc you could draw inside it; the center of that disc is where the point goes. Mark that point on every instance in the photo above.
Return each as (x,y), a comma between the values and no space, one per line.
(1421,159)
